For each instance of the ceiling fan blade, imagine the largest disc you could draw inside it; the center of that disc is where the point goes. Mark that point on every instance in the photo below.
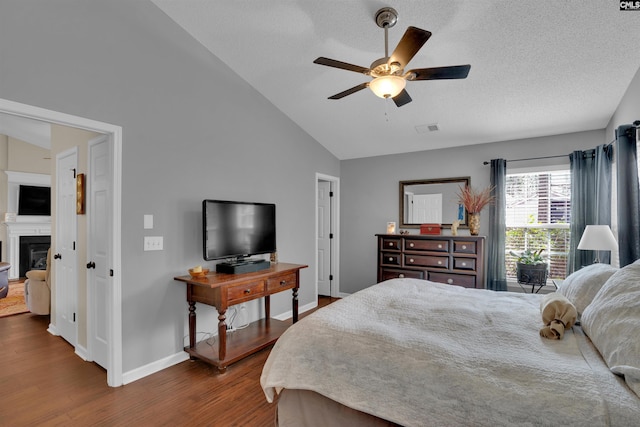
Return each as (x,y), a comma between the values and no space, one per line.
(349,91)
(402,98)
(438,73)
(342,65)
(409,45)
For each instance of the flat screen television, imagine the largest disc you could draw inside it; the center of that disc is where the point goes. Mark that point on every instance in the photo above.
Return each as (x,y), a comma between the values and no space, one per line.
(34,200)
(237,229)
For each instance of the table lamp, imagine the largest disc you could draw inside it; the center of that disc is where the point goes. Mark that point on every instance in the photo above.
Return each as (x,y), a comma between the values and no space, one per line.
(598,238)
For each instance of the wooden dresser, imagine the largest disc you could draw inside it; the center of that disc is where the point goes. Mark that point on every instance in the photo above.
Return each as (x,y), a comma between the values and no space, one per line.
(456,260)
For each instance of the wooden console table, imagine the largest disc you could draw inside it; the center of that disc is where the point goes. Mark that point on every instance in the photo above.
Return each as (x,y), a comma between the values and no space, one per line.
(221,291)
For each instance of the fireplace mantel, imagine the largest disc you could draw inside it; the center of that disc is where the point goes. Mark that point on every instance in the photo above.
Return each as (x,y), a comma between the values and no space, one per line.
(15,230)
(24,225)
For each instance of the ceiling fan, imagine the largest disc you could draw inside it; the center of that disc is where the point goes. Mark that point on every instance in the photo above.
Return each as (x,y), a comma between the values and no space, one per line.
(389,76)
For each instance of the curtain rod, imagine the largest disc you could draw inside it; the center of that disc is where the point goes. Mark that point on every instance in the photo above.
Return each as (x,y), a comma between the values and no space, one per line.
(636,124)
(532,158)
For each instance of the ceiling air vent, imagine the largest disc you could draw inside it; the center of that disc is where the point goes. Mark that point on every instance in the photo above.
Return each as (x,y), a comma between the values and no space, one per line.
(427,128)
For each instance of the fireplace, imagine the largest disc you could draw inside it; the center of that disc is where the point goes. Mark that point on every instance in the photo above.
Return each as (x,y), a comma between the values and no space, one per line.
(25,226)
(33,253)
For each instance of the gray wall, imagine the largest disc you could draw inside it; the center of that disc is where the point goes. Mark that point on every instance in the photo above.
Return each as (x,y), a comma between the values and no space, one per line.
(370,190)
(627,111)
(192,129)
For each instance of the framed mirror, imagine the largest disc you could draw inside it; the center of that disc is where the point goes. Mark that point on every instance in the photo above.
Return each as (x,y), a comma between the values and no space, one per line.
(432,201)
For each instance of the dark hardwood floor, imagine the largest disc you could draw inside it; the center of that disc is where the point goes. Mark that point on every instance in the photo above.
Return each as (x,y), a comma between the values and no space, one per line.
(43,383)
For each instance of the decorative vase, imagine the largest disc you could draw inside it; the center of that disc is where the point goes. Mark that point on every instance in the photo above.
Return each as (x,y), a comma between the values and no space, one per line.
(474,223)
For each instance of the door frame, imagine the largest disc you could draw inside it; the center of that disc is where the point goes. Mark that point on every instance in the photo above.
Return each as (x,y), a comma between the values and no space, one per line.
(335,229)
(114,135)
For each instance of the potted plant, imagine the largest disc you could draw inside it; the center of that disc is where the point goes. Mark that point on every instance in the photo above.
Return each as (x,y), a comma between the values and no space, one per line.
(531,266)
(474,201)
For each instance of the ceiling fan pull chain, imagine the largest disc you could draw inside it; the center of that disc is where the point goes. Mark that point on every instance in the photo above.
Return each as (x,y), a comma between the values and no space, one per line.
(386,109)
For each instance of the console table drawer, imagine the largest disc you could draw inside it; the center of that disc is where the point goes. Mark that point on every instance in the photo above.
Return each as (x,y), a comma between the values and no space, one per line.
(401,274)
(246,291)
(453,279)
(278,283)
(391,243)
(464,263)
(464,247)
(427,261)
(426,245)
(390,259)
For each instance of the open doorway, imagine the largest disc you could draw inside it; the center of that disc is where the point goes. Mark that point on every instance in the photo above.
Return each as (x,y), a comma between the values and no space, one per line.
(327,235)
(113,315)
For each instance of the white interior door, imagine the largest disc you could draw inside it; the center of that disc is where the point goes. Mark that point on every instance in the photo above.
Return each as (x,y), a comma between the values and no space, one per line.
(98,249)
(64,257)
(323,237)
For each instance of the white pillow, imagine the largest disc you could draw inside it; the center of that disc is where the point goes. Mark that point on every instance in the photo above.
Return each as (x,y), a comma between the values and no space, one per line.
(581,286)
(612,321)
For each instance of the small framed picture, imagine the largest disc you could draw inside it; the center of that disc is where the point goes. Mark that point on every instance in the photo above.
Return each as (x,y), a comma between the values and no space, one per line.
(80,194)
(391,228)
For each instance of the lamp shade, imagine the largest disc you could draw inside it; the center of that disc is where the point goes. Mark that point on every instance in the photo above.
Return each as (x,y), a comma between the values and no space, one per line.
(598,238)
(387,86)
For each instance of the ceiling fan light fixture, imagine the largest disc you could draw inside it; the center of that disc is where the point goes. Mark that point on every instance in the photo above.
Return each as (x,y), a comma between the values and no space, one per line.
(387,86)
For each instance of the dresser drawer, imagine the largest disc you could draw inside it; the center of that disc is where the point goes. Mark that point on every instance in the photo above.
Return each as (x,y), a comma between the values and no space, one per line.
(390,259)
(246,292)
(401,274)
(464,263)
(278,283)
(426,261)
(462,247)
(391,243)
(426,245)
(453,279)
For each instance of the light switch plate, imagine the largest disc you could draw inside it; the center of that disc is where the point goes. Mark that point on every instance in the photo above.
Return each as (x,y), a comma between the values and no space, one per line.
(153,243)
(148,222)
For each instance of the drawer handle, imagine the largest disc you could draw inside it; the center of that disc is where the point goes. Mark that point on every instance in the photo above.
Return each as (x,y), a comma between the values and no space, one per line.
(401,276)
(391,244)
(439,246)
(439,262)
(247,291)
(464,264)
(450,281)
(410,259)
(283,282)
(390,259)
(411,244)
(464,246)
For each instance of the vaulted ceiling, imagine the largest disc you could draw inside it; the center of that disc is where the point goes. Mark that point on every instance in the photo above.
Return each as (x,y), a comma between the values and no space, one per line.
(538,67)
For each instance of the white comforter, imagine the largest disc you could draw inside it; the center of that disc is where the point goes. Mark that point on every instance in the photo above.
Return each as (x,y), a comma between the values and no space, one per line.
(421,353)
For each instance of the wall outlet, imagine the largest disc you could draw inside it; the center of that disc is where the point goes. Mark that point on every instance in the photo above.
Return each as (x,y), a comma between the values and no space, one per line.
(153,243)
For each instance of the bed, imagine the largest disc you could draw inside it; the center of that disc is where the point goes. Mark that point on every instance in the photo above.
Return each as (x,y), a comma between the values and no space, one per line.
(415,353)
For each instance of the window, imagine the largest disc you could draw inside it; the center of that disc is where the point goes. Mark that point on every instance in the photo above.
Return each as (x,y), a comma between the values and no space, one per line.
(537,217)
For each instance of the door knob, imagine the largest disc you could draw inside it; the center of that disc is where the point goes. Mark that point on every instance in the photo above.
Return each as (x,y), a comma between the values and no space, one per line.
(57,256)
(91,265)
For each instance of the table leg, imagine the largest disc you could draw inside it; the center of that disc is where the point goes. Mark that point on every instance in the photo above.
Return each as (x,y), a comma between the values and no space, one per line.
(294,304)
(222,334)
(267,308)
(192,324)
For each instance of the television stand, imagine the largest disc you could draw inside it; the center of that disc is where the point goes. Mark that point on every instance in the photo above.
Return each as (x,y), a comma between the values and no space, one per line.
(221,291)
(243,266)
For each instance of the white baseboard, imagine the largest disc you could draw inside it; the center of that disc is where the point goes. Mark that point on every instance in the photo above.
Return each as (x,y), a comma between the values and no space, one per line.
(289,314)
(152,368)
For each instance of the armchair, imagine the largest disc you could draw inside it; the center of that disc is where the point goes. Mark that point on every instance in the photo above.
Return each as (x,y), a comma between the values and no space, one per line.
(4,279)
(37,289)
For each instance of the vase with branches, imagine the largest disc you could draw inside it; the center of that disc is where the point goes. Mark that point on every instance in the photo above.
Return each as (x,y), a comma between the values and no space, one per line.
(474,201)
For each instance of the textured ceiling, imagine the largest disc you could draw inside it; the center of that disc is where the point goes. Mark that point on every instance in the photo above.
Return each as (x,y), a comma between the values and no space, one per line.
(538,67)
